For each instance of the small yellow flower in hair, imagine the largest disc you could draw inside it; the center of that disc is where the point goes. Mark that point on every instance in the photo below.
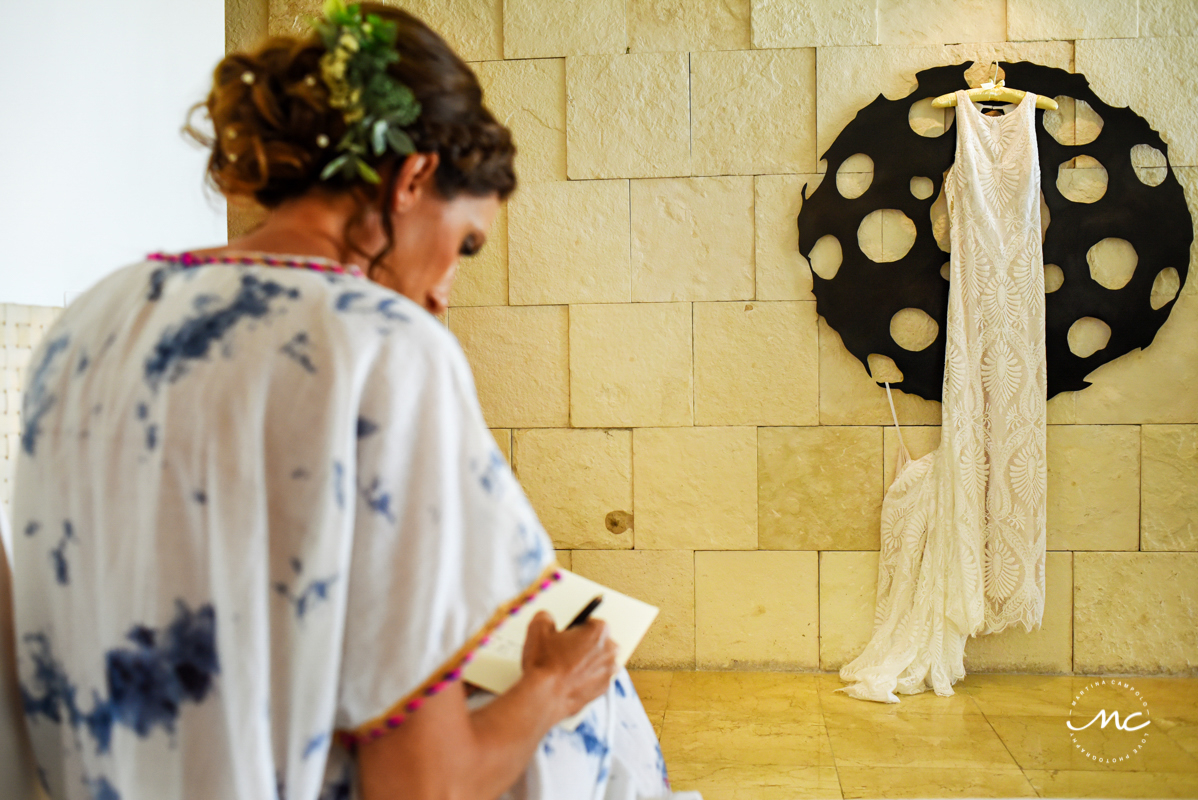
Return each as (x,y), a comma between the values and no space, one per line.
(348,42)
(247,77)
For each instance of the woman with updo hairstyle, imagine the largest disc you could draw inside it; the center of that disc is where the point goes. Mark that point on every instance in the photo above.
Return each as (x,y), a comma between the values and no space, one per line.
(261,524)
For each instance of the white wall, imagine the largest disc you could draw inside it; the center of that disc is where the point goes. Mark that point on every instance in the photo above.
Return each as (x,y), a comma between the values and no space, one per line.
(94,172)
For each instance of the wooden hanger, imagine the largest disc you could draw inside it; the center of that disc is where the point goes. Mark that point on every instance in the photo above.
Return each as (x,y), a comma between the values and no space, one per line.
(992,91)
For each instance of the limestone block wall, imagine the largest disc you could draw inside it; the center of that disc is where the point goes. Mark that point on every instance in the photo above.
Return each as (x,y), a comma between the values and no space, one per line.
(647,348)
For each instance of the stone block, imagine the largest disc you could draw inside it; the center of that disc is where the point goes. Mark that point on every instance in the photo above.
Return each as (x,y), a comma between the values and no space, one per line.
(521,363)
(773,627)
(503,438)
(920,440)
(672,26)
(782,272)
(695,488)
(568,243)
(565,558)
(664,578)
(1046,649)
(580,483)
(1134,613)
(814,23)
(482,279)
(848,396)
(1169,486)
(819,488)
(1125,72)
(1168,18)
(1037,20)
(628,116)
(692,239)
(849,78)
(736,98)
(902,22)
(848,591)
(756,363)
(473,28)
(1093,487)
(552,28)
(530,98)
(1154,385)
(630,365)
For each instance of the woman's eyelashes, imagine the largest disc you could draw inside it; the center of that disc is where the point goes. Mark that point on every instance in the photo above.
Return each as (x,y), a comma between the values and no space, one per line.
(471,245)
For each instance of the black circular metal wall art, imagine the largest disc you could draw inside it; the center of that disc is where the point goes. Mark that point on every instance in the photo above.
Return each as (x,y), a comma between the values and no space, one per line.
(860,299)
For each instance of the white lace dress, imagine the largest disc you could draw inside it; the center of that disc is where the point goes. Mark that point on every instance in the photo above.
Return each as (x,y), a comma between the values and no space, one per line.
(963,528)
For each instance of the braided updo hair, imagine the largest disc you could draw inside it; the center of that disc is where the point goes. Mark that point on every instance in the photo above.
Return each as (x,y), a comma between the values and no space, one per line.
(274,130)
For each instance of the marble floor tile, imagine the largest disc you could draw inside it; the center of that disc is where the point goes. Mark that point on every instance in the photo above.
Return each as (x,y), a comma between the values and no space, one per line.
(1175,699)
(916,740)
(730,739)
(1094,783)
(1044,743)
(794,693)
(653,687)
(900,782)
(1020,695)
(1186,737)
(833,702)
(755,782)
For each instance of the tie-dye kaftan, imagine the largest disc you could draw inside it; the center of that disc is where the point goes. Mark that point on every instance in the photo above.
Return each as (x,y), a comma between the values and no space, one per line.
(258,513)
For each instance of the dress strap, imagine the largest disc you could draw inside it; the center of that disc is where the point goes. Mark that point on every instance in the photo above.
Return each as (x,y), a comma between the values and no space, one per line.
(894,416)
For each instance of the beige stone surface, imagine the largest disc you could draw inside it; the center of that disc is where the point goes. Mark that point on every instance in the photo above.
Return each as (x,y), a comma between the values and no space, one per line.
(473,28)
(848,591)
(521,363)
(687,25)
(568,243)
(819,488)
(848,396)
(903,22)
(1135,612)
(551,28)
(692,239)
(776,626)
(664,578)
(628,116)
(503,438)
(782,272)
(1046,649)
(1126,72)
(1169,487)
(530,98)
(1168,18)
(630,365)
(482,279)
(919,439)
(246,23)
(565,558)
(575,479)
(1156,385)
(695,488)
(1037,20)
(849,78)
(814,23)
(736,98)
(1093,487)
(756,363)
(926,781)
(1188,178)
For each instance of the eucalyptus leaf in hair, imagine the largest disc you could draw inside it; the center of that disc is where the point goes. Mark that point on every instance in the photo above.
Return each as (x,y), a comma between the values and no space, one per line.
(375,106)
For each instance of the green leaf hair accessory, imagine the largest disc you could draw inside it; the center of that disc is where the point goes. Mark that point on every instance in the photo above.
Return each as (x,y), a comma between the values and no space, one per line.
(375,106)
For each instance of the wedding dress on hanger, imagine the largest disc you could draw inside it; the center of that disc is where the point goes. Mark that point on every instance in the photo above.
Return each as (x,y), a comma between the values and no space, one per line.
(963,528)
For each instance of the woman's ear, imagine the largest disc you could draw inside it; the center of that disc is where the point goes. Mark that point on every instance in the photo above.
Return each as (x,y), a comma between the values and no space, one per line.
(416,175)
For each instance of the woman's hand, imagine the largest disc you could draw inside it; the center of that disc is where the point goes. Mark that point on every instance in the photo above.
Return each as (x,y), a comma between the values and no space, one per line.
(580,661)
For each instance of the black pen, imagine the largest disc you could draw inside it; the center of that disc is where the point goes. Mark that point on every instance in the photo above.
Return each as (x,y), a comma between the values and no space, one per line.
(586,612)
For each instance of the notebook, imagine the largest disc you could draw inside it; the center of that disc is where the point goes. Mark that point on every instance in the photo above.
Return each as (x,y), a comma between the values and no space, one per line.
(496,665)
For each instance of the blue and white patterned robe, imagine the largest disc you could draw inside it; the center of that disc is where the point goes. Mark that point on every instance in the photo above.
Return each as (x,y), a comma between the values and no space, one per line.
(255,508)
